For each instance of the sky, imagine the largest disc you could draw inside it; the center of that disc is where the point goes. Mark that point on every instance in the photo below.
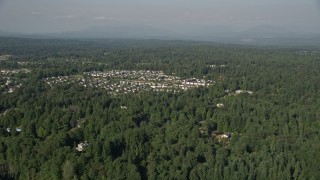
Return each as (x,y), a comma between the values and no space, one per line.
(51,16)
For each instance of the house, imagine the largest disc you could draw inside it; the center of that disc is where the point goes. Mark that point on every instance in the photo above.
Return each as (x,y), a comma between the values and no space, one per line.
(250,92)
(123,107)
(17,129)
(239,91)
(220,105)
(203,129)
(10,90)
(221,136)
(82,146)
(243,91)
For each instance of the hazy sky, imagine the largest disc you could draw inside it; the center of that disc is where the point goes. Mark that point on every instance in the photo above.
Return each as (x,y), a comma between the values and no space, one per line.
(34,16)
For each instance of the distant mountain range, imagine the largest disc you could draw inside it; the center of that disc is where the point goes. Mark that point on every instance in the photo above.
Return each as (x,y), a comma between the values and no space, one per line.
(261,35)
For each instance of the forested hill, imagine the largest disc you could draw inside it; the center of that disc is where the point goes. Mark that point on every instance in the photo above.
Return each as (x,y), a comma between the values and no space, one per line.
(117,109)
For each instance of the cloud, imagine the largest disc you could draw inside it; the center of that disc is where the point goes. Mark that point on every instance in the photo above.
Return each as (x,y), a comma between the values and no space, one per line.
(35,13)
(66,17)
(71,16)
(100,18)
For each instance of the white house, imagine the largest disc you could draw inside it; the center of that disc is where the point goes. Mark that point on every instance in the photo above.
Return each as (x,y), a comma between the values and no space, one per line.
(82,145)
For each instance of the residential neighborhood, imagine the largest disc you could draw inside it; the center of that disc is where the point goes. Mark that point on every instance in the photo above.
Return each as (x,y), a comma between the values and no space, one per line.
(4,57)
(130,81)
(9,83)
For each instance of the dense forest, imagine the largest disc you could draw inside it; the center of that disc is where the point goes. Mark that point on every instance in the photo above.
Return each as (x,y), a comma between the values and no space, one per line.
(260,119)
